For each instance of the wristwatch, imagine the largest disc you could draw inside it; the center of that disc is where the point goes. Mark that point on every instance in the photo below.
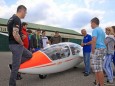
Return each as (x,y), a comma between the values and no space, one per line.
(85,44)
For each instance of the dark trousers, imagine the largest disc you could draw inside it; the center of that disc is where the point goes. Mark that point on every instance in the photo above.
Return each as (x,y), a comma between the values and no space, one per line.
(20,55)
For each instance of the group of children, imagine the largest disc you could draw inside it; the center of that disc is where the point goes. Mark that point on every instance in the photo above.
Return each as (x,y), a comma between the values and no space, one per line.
(37,40)
(34,41)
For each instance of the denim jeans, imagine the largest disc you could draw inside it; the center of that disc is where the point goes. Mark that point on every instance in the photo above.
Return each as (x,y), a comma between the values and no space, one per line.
(114,59)
(107,66)
(86,56)
(114,62)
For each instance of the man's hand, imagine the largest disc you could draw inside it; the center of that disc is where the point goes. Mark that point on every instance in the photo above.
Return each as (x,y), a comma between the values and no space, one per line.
(82,44)
(93,51)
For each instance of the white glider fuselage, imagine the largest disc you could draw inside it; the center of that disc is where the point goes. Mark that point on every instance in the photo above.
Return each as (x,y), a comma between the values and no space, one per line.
(58,58)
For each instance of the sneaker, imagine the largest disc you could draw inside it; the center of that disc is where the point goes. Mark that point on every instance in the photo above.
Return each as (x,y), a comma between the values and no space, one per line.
(107,81)
(85,74)
(113,73)
(105,75)
(10,67)
(113,77)
(94,82)
(19,77)
(97,85)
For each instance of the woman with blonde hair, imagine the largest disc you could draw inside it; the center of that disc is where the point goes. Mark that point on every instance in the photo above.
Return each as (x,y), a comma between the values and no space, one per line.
(113,27)
(110,42)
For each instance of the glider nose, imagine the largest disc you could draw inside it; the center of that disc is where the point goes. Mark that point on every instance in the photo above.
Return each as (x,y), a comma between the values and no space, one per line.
(38,58)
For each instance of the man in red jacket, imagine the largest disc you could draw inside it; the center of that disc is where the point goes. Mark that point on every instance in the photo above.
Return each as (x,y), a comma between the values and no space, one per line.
(25,35)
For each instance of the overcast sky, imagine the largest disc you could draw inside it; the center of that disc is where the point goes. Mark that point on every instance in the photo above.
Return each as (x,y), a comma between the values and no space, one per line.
(71,14)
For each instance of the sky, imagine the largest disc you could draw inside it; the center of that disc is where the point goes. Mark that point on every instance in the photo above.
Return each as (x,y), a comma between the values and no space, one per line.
(70,14)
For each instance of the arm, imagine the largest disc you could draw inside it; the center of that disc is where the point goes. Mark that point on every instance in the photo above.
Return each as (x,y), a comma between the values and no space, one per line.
(23,35)
(94,39)
(90,41)
(93,44)
(107,40)
(60,39)
(47,40)
(41,42)
(32,40)
(16,35)
(51,40)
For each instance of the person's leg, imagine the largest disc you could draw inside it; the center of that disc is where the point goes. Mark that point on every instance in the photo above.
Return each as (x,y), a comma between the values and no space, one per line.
(101,78)
(26,55)
(94,67)
(87,56)
(84,58)
(100,71)
(99,75)
(105,63)
(110,69)
(96,78)
(114,59)
(16,60)
(100,57)
(114,63)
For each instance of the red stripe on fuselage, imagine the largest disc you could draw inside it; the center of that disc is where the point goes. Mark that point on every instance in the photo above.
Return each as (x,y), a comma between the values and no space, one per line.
(46,65)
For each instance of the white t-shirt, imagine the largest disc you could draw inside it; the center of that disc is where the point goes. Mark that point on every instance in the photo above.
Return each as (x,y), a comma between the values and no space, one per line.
(44,40)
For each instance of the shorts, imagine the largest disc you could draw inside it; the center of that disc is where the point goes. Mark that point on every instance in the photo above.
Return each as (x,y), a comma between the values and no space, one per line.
(97,60)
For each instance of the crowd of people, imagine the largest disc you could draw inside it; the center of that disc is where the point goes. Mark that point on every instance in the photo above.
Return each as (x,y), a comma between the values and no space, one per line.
(101,50)
(37,40)
(23,43)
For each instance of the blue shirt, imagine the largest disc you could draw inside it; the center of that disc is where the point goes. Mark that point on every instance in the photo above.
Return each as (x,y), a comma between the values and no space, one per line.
(100,37)
(86,39)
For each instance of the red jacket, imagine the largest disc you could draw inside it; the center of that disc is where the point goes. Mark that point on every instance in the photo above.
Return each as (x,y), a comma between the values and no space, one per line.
(25,40)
